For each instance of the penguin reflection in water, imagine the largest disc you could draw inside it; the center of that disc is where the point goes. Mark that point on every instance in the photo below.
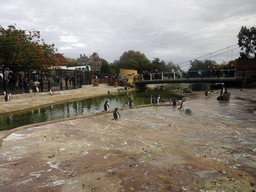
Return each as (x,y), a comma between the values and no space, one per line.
(174,102)
(116,114)
(106,106)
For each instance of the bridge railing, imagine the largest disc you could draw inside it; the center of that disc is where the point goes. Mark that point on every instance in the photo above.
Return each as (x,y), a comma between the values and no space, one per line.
(189,74)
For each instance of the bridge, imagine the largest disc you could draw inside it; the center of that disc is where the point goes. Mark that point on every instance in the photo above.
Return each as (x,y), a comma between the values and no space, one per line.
(185,78)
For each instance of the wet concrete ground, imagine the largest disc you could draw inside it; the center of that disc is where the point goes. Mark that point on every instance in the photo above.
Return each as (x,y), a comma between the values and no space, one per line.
(150,148)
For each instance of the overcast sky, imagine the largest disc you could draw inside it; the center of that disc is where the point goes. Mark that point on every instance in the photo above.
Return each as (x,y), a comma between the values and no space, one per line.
(172,30)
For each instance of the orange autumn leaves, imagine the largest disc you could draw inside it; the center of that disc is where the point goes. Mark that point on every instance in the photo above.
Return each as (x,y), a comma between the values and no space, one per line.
(24,48)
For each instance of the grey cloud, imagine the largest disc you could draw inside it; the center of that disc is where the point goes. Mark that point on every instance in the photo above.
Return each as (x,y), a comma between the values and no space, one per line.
(171,30)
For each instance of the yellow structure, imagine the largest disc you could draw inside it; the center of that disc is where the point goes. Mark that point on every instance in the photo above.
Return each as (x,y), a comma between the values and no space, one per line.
(128,74)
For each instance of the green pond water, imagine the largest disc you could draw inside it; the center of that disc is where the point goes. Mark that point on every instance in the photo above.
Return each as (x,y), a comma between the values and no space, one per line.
(82,107)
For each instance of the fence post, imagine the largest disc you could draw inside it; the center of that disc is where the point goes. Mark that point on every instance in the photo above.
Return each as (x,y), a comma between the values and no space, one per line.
(81,78)
(3,69)
(42,81)
(60,79)
(66,79)
(49,81)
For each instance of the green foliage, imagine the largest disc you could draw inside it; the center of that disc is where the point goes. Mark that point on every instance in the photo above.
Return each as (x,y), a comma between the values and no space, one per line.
(133,60)
(201,65)
(105,67)
(22,48)
(247,41)
(157,65)
(232,62)
(71,62)
(171,66)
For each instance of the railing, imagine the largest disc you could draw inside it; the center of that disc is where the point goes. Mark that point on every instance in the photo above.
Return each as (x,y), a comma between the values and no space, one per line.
(187,75)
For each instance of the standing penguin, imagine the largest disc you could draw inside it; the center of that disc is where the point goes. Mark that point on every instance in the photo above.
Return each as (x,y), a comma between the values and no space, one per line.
(129,102)
(151,99)
(181,105)
(106,106)
(116,114)
(7,96)
(157,99)
(174,101)
(221,91)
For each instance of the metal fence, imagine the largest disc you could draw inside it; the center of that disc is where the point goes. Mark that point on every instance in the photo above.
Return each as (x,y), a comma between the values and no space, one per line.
(26,80)
(189,74)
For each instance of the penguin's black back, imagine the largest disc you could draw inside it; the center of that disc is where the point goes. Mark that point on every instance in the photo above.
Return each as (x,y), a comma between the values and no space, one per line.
(6,97)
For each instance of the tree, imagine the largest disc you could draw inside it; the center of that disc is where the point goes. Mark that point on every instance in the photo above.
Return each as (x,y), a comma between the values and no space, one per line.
(71,61)
(247,41)
(158,65)
(24,49)
(133,60)
(105,67)
(201,65)
(171,66)
(232,62)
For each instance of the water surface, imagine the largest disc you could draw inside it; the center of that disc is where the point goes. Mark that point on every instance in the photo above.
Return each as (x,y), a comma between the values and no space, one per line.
(81,107)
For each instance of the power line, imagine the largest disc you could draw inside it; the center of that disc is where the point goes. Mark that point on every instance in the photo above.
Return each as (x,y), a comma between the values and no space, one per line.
(182,63)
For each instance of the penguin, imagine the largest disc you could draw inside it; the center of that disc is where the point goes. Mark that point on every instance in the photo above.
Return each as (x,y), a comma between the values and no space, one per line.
(160,100)
(116,114)
(174,101)
(50,92)
(118,90)
(221,91)
(151,99)
(106,106)
(37,89)
(157,99)
(181,105)
(207,93)
(7,96)
(129,102)
(226,90)
(4,93)
(108,92)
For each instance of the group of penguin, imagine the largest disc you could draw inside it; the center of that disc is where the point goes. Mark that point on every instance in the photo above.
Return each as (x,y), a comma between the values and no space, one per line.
(7,96)
(116,113)
(154,100)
